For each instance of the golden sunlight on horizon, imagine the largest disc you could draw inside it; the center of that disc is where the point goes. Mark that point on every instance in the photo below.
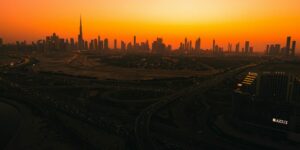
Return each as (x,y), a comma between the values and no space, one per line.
(233,21)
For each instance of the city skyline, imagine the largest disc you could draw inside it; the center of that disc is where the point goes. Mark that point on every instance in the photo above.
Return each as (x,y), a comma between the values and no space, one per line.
(54,42)
(226,21)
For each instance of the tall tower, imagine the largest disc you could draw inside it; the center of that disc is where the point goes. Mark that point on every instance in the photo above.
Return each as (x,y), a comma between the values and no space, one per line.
(247,47)
(115,44)
(80,37)
(134,41)
(288,46)
(214,45)
(237,48)
(198,44)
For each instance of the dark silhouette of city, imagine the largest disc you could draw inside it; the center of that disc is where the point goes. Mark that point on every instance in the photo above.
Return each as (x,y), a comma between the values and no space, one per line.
(60,93)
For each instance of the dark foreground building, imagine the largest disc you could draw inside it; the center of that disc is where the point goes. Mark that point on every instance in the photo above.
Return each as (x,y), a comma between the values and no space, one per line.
(269,103)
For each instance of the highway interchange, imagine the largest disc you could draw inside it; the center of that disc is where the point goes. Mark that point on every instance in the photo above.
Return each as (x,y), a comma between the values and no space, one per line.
(143,120)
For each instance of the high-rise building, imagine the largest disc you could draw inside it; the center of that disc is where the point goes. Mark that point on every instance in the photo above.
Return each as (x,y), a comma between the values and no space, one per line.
(99,43)
(159,47)
(95,44)
(198,44)
(123,46)
(293,51)
(72,44)
(247,47)
(277,49)
(237,48)
(251,50)
(1,42)
(288,46)
(101,46)
(92,45)
(67,45)
(147,47)
(214,45)
(185,44)
(81,43)
(134,41)
(115,44)
(106,44)
(85,45)
(268,49)
(268,102)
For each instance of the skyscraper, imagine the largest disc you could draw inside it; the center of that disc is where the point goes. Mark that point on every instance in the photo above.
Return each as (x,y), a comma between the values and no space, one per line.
(99,43)
(106,44)
(72,42)
(198,44)
(134,41)
(159,47)
(95,44)
(92,46)
(268,49)
(288,46)
(81,43)
(115,44)
(185,44)
(293,48)
(123,45)
(247,47)
(237,48)
(1,42)
(214,45)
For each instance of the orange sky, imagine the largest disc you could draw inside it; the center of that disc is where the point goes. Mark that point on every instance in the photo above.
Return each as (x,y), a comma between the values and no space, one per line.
(260,21)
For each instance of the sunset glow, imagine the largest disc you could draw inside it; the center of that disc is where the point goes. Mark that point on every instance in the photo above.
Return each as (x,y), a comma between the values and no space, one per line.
(259,21)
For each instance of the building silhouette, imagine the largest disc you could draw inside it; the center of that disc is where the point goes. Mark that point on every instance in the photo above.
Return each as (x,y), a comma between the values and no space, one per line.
(115,44)
(105,43)
(247,47)
(198,44)
(293,51)
(81,43)
(237,48)
(159,47)
(72,44)
(123,46)
(288,46)
(134,41)
(99,43)
(287,51)
(214,45)
(1,42)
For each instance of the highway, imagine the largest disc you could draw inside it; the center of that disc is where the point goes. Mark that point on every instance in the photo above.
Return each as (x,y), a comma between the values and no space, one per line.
(142,123)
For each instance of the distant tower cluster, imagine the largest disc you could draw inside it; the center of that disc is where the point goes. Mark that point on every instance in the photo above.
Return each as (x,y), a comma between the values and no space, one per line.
(277,50)
(159,47)
(186,47)
(135,47)
(216,49)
